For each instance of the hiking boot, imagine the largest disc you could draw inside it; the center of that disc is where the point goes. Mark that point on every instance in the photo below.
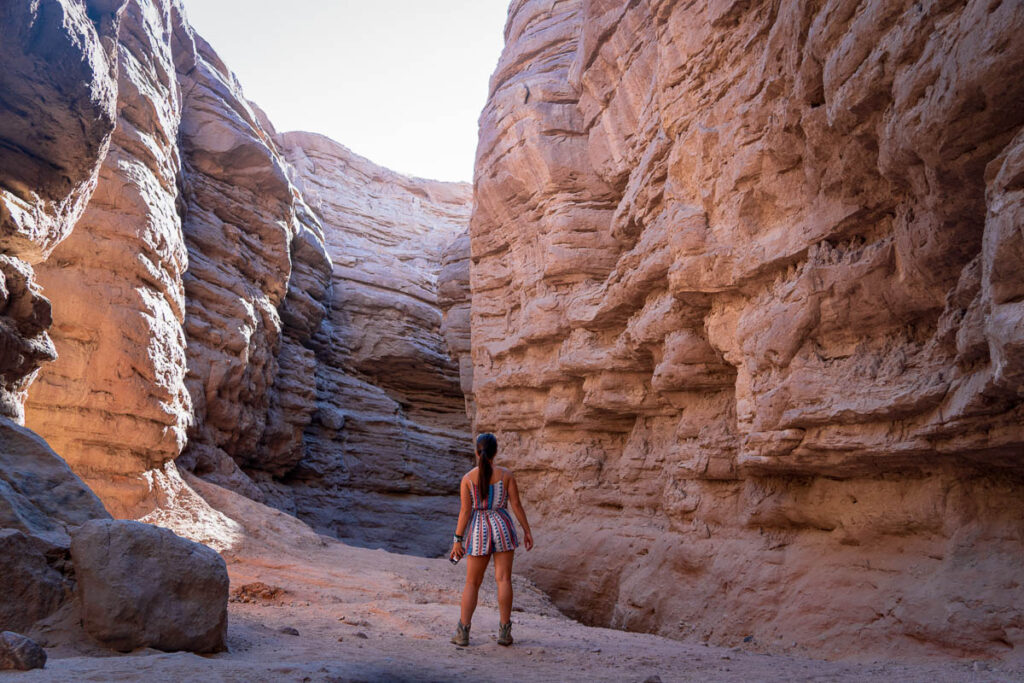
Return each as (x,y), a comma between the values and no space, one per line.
(461,636)
(505,634)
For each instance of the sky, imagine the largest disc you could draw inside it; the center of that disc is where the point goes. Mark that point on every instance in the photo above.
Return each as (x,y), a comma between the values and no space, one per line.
(401,82)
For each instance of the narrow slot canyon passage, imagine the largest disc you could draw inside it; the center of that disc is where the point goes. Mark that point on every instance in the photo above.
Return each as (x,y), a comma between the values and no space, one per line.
(738,287)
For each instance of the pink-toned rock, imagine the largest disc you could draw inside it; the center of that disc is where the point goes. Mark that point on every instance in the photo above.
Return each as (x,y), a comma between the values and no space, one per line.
(114,404)
(190,298)
(257,277)
(453,296)
(187,290)
(745,310)
(59,90)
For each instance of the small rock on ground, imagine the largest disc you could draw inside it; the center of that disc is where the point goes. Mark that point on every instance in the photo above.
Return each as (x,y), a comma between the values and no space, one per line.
(19,653)
(257,591)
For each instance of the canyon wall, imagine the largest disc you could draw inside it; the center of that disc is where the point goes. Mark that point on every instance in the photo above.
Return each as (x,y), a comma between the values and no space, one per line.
(114,404)
(747,316)
(166,294)
(207,318)
(455,299)
(390,437)
(59,97)
(255,284)
(58,92)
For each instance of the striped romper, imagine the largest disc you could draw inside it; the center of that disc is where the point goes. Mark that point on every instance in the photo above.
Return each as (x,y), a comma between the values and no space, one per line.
(490,528)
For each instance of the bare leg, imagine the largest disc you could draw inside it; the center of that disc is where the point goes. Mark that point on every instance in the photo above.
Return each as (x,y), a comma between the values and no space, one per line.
(503,575)
(475,568)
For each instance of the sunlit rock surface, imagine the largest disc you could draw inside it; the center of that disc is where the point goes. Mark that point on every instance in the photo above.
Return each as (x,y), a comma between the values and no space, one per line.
(389,439)
(190,303)
(746,314)
(171,325)
(58,109)
(114,403)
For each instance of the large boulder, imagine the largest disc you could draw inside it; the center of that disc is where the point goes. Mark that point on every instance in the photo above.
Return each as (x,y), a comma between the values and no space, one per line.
(144,586)
(33,587)
(40,499)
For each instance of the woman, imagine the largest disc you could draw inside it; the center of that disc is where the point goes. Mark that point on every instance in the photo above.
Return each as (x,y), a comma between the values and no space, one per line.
(485,491)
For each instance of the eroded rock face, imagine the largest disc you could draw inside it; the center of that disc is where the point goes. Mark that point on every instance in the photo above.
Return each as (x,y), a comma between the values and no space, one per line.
(140,585)
(59,94)
(746,310)
(390,433)
(114,404)
(59,91)
(255,285)
(453,296)
(190,297)
(58,85)
(188,288)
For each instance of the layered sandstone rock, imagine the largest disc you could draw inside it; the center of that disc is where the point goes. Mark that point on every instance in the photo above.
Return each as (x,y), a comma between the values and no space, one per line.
(255,283)
(189,302)
(58,95)
(453,296)
(58,85)
(390,433)
(196,240)
(114,404)
(746,312)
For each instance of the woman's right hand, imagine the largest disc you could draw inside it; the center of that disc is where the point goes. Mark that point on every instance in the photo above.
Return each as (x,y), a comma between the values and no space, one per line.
(528,540)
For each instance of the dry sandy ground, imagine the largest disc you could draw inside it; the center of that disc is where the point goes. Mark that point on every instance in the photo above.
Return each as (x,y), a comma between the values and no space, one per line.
(369,615)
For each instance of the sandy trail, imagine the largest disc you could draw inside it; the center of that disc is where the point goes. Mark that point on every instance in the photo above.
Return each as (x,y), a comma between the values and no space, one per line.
(370,615)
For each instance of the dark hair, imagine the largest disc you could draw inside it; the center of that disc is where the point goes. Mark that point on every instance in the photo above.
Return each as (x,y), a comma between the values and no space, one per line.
(486,447)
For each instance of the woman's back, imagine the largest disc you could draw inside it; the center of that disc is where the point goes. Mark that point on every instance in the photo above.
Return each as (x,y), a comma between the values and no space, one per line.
(499,474)
(497,491)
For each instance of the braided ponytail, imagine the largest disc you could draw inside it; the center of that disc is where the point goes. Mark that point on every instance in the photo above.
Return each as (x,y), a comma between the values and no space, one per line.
(486,448)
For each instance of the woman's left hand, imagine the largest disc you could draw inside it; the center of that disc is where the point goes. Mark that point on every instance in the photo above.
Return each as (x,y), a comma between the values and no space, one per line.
(457,551)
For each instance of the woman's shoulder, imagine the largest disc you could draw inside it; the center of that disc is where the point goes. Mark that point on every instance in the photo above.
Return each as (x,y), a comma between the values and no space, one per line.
(506,472)
(469,476)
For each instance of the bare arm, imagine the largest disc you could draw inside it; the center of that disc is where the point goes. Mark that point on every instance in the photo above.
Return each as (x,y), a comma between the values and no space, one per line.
(467,507)
(520,513)
(465,511)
